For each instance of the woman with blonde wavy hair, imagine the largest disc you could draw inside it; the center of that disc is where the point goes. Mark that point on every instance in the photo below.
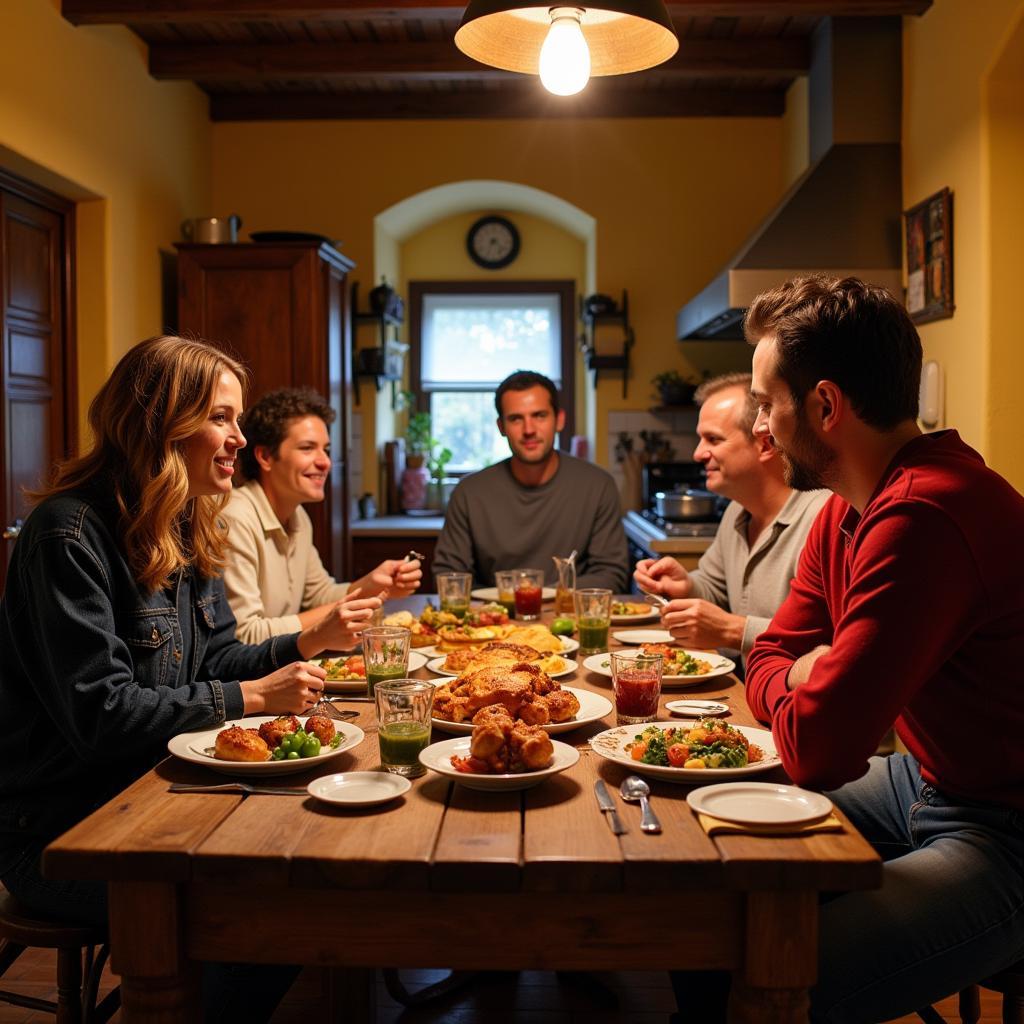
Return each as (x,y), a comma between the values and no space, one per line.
(115,631)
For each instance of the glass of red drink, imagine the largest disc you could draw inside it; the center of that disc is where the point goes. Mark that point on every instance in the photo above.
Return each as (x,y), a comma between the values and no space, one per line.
(529,593)
(636,682)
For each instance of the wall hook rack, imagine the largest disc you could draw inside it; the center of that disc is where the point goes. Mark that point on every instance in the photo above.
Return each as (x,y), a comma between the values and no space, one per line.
(595,315)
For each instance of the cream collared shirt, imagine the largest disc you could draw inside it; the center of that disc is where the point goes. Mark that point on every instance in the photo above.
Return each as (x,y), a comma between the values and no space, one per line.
(273,572)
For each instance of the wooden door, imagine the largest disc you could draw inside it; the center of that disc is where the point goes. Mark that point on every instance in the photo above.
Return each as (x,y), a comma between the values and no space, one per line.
(37,379)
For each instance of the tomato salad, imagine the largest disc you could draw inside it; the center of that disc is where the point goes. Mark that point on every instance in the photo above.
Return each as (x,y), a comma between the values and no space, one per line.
(708,744)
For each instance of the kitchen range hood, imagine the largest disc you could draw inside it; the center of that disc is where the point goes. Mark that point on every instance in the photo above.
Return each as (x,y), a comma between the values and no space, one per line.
(842,216)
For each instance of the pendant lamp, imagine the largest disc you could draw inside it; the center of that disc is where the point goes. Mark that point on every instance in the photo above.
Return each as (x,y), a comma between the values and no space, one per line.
(567,44)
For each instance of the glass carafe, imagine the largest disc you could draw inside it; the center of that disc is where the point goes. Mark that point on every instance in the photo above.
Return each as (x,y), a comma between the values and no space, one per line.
(565,591)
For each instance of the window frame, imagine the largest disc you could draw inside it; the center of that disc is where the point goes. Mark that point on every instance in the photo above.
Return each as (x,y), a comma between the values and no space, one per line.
(565,290)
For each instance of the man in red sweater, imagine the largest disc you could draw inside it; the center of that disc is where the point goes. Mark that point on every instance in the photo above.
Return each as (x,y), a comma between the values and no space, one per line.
(907,610)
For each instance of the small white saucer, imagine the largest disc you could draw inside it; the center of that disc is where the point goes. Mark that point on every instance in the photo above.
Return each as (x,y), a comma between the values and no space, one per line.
(360,789)
(697,708)
(642,636)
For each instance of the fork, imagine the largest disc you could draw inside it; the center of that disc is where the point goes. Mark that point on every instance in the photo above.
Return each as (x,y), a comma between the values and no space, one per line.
(234,787)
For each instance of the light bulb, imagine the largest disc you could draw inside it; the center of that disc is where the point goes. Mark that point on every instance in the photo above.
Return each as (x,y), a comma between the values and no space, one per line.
(565,56)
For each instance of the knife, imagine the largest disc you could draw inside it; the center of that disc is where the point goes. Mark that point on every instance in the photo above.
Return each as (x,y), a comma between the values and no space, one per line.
(607,805)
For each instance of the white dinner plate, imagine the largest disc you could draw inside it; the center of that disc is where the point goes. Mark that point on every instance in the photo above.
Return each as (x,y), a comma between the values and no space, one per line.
(193,746)
(491,593)
(643,636)
(720,666)
(697,708)
(437,757)
(416,660)
(628,620)
(760,803)
(611,745)
(359,789)
(436,666)
(593,707)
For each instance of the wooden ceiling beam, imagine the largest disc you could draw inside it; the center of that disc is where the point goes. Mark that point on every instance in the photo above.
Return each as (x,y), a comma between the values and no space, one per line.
(529,104)
(137,12)
(441,60)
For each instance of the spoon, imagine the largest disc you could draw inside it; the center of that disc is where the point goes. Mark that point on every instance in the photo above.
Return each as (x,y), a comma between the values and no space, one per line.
(634,789)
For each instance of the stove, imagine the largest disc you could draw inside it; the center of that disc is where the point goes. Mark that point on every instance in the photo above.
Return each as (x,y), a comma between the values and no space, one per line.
(672,528)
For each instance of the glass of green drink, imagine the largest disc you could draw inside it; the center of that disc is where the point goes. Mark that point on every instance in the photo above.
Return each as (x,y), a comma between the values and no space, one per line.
(403,723)
(453,589)
(386,653)
(505,584)
(593,617)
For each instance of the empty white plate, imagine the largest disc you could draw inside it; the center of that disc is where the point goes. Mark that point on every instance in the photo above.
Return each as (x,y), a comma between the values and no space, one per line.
(643,636)
(697,708)
(759,803)
(358,789)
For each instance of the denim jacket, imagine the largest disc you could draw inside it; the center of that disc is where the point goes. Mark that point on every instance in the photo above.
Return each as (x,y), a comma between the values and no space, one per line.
(91,677)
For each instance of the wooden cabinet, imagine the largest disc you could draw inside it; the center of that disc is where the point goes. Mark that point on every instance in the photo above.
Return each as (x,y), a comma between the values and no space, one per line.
(369,552)
(283,309)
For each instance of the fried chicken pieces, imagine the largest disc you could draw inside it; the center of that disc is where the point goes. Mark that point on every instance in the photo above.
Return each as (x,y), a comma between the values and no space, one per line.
(240,744)
(499,745)
(522,690)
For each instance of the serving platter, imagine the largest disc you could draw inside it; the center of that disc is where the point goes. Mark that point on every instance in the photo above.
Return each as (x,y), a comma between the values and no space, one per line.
(593,707)
(611,745)
(195,746)
(437,757)
(720,666)
(436,665)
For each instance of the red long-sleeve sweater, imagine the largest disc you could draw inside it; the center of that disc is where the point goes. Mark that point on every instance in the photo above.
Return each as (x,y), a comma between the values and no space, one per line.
(922,601)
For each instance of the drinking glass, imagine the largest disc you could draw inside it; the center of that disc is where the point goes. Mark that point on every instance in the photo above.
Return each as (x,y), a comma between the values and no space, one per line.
(636,682)
(565,591)
(403,723)
(386,653)
(529,593)
(453,590)
(593,617)
(505,584)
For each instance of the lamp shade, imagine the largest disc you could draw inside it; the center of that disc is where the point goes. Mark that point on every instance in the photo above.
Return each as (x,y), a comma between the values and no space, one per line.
(623,35)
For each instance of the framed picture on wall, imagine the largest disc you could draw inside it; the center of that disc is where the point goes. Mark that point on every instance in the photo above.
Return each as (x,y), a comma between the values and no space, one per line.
(929,242)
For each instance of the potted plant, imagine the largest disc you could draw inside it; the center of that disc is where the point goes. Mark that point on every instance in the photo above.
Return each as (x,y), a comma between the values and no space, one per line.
(674,388)
(440,485)
(418,442)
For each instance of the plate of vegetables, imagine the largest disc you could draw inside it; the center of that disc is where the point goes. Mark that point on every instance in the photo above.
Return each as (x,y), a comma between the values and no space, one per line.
(347,674)
(682,667)
(689,751)
(624,612)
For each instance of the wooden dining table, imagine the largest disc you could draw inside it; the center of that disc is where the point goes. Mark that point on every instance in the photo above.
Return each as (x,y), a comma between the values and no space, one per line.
(451,877)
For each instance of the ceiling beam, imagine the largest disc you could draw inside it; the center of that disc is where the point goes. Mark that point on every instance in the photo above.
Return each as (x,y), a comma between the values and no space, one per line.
(97,12)
(530,103)
(441,60)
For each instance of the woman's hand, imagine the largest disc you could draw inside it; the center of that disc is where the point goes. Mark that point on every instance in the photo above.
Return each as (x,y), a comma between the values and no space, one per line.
(339,628)
(292,690)
(395,576)
(662,576)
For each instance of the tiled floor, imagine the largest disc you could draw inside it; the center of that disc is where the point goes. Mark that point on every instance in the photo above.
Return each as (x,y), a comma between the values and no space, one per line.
(531,997)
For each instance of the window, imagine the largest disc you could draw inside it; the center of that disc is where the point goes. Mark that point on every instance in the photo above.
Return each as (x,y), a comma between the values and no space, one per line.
(467,337)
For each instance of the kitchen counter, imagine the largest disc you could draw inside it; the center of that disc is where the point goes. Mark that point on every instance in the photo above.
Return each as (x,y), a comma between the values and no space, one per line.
(646,540)
(398,526)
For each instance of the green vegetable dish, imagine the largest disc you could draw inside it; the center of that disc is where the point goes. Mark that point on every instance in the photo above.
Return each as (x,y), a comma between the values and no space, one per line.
(708,744)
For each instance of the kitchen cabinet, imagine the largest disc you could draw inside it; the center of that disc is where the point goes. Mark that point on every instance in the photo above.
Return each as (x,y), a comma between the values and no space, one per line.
(374,540)
(283,309)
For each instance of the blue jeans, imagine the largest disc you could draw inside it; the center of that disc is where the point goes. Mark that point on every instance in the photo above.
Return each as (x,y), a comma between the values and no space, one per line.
(949,913)
(950,910)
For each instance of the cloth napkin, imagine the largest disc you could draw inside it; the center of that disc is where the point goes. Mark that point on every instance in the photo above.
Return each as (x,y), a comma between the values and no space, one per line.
(715,826)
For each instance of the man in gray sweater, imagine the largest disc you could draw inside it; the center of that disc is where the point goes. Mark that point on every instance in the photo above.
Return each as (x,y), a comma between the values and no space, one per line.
(745,574)
(536,504)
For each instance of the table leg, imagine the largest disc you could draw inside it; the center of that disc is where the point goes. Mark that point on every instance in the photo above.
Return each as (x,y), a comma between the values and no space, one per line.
(780,960)
(158,984)
(352,995)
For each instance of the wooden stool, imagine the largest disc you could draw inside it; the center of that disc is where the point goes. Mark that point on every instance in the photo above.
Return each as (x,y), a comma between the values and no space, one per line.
(76,999)
(1009,982)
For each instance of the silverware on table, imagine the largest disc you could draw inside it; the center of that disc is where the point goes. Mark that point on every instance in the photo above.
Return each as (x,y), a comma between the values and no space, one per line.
(633,790)
(235,787)
(655,598)
(607,805)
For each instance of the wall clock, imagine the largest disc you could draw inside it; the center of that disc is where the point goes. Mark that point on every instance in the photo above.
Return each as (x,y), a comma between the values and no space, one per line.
(493,242)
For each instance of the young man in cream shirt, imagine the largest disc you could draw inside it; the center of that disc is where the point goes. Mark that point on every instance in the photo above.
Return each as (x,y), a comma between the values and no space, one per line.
(274,578)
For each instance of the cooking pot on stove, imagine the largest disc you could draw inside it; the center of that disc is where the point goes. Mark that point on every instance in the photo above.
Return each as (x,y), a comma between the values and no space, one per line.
(690,504)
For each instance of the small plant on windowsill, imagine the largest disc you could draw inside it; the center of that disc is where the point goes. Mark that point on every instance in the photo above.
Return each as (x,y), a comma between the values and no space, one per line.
(418,442)
(673,388)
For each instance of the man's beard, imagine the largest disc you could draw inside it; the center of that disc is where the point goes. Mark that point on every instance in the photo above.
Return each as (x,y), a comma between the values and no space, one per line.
(809,469)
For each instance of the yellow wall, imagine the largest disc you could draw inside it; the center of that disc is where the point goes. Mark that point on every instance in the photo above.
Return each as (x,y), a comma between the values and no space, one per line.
(949,53)
(80,114)
(673,199)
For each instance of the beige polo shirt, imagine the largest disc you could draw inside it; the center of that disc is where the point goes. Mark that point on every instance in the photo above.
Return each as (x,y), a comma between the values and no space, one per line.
(273,572)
